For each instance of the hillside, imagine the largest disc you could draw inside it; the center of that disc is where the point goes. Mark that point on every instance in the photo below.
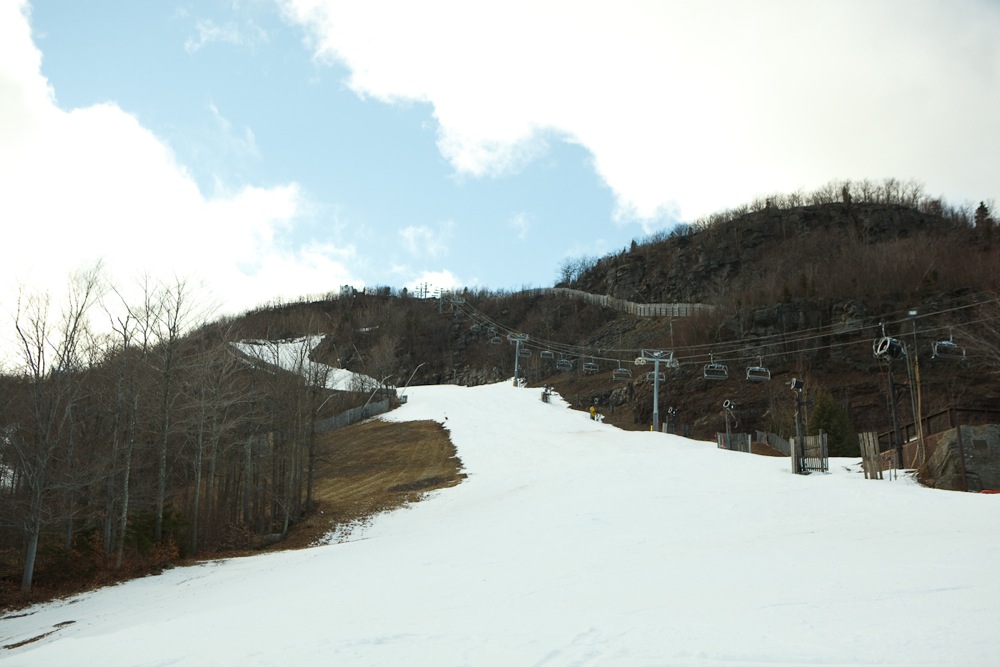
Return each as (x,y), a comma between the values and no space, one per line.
(803,291)
(181,445)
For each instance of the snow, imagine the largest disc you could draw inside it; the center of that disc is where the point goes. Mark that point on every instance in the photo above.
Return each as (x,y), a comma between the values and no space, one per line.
(293,355)
(574,543)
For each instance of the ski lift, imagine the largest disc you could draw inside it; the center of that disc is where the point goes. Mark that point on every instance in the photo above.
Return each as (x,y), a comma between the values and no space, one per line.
(758,373)
(887,349)
(947,349)
(564,364)
(591,367)
(621,373)
(547,354)
(715,371)
(653,376)
(524,352)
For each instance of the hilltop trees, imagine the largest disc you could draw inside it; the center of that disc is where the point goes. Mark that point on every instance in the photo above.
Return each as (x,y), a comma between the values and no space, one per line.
(984,221)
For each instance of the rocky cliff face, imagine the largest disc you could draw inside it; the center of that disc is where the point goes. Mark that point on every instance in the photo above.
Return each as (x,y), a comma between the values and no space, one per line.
(774,252)
(965,459)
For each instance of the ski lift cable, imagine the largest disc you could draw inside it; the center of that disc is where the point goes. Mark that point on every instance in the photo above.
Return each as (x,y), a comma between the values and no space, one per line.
(820,332)
(736,351)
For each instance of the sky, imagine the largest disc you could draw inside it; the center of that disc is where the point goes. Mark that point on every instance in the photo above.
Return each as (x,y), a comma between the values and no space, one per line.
(270,149)
(574,543)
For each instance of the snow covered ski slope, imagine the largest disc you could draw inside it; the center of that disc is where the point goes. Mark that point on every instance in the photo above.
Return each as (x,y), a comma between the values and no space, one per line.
(573,543)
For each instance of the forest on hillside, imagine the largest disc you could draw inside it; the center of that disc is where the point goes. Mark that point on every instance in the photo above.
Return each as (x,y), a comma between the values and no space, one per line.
(121,451)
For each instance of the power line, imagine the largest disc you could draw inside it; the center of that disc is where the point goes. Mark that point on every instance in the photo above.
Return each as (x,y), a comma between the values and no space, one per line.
(741,349)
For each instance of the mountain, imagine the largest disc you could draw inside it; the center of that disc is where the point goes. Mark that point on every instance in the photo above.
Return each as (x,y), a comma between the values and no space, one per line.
(161,442)
(803,291)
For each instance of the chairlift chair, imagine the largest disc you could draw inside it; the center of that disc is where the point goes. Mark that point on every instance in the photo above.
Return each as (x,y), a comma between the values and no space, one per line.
(591,367)
(547,354)
(564,364)
(524,352)
(653,376)
(475,328)
(715,371)
(947,349)
(495,340)
(621,373)
(758,373)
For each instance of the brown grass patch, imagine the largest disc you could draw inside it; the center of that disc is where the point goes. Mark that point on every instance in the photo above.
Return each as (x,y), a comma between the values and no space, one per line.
(371,468)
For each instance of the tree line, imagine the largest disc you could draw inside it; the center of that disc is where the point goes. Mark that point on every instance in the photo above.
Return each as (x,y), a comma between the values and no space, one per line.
(122,449)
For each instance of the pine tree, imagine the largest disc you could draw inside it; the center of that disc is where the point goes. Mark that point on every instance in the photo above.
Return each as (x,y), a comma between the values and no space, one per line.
(831,417)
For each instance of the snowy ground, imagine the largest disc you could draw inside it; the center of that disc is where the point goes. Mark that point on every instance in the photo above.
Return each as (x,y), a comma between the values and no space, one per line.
(293,355)
(573,543)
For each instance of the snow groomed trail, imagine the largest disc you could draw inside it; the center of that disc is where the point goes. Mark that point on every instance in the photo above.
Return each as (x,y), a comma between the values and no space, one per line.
(574,543)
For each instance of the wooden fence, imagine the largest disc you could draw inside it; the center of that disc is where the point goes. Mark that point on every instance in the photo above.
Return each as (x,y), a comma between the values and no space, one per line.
(352,416)
(736,442)
(621,305)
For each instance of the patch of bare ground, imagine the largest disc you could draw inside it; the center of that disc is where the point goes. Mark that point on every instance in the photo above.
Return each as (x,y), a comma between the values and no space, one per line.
(374,467)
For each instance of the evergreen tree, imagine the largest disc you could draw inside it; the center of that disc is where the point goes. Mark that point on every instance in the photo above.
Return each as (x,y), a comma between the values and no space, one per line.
(831,417)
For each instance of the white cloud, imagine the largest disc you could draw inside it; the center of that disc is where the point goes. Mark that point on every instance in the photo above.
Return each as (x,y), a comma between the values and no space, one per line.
(688,107)
(209,32)
(94,183)
(423,241)
(433,281)
(240,143)
(521,224)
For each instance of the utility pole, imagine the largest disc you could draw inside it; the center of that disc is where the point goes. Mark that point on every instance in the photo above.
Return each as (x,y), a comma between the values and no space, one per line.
(798,455)
(886,350)
(915,397)
(728,406)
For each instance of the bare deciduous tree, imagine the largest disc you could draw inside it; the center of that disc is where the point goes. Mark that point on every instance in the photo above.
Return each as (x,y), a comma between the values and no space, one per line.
(51,366)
